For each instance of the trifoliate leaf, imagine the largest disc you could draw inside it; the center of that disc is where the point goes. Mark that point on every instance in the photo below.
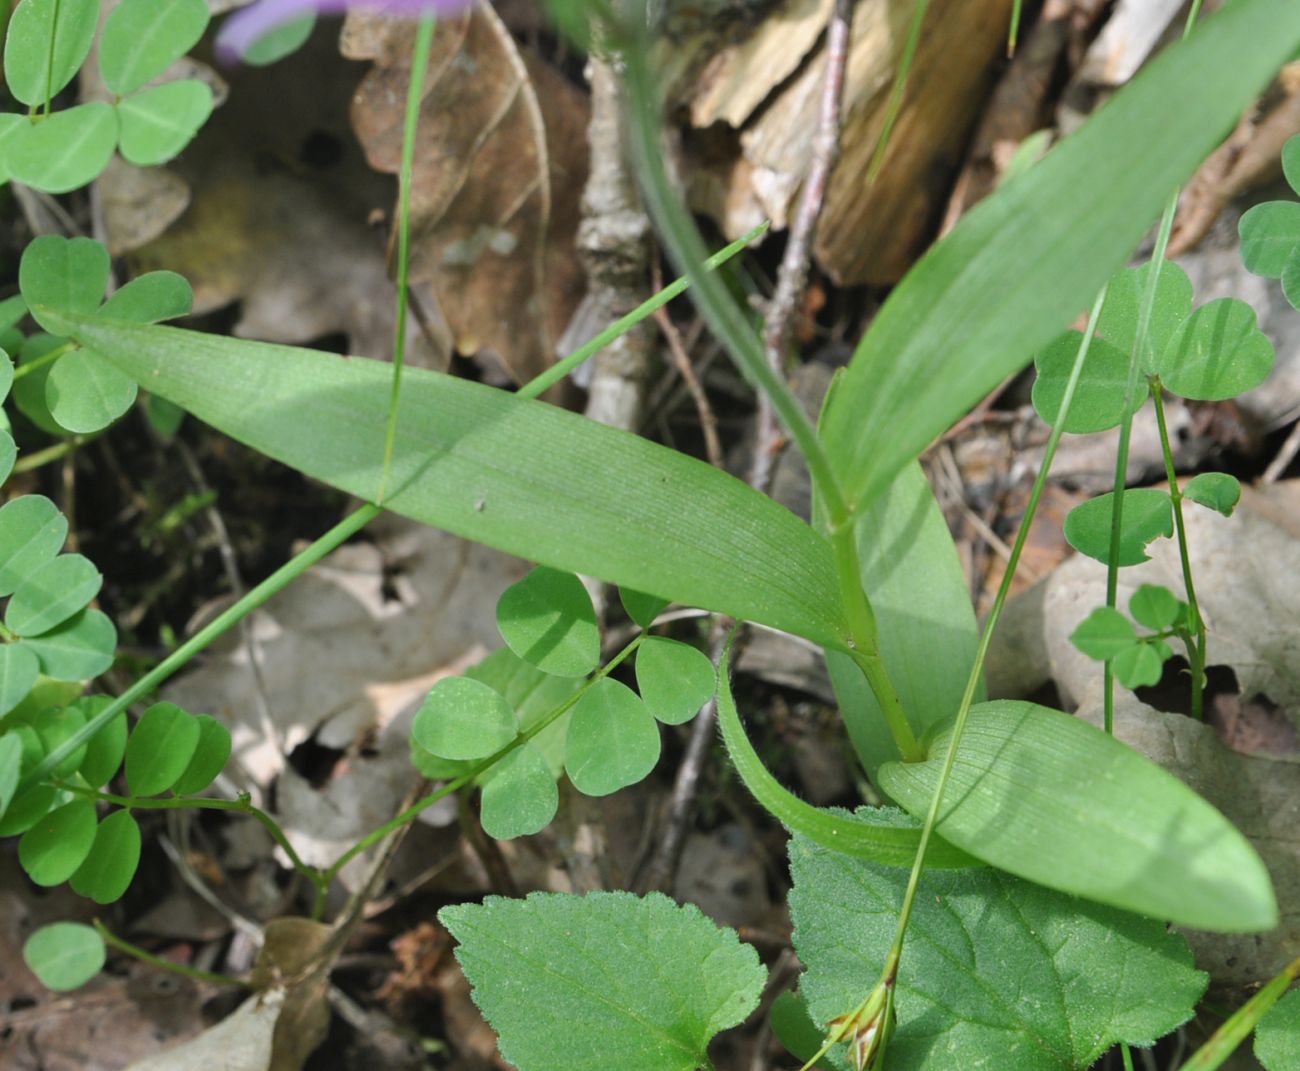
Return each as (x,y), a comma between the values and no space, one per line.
(52,594)
(1147,515)
(588,983)
(998,972)
(674,679)
(520,796)
(53,849)
(157,123)
(150,298)
(547,619)
(46,44)
(209,758)
(1118,322)
(60,154)
(19,669)
(142,38)
(1269,235)
(65,955)
(1103,634)
(641,608)
(1215,490)
(86,394)
(160,748)
(31,532)
(463,719)
(108,869)
(1154,606)
(1098,401)
(1140,666)
(613,739)
(1218,353)
(1277,1038)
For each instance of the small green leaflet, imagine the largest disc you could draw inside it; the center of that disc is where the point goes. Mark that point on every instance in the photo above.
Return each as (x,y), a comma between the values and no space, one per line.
(11,758)
(67,274)
(1217,354)
(143,37)
(104,750)
(547,619)
(160,748)
(150,298)
(674,679)
(1270,233)
(520,796)
(613,739)
(1214,490)
(1099,398)
(606,980)
(1118,323)
(56,845)
(65,955)
(109,867)
(85,393)
(1103,634)
(1154,606)
(1277,1038)
(463,719)
(1139,666)
(641,608)
(209,758)
(994,965)
(80,648)
(1147,515)
(158,123)
(51,594)
(1050,798)
(284,40)
(65,151)
(46,44)
(31,532)
(19,669)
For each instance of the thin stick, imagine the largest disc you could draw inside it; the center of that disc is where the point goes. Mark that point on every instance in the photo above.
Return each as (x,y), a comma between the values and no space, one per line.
(682,361)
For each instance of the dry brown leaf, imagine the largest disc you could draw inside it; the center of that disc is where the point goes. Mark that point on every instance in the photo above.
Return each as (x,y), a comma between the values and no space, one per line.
(500,162)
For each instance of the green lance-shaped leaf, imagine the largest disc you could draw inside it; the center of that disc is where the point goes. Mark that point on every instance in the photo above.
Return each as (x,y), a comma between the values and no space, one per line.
(547,619)
(1099,397)
(64,152)
(1103,634)
(156,124)
(674,679)
(640,607)
(80,648)
(1270,235)
(1217,354)
(596,500)
(150,298)
(31,532)
(56,845)
(1139,666)
(1118,322)
(159,749)
(462,718)
(996,969)
(11,761)
(19,669)
(613,739)
(209,758)
(1277,1038)
(65,274)
(587,983)
(106,749)
(910,568)
(108,869)
(52,594)
(26,809)
(86,394)
(1154,606)
(1214,490)
(1052,799)
(520,796)
(1002,284)
(65,955)
(882,835)
(143,37)
(1148,514)
(47,42)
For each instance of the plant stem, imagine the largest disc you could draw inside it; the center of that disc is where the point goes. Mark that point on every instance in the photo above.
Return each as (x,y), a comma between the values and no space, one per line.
(273,584)
(1224,1041)
(399,820)
(28,367)
(1196,641)
(1013,33)
(414,97)
(1126,1056)
(242,805)
(122,945)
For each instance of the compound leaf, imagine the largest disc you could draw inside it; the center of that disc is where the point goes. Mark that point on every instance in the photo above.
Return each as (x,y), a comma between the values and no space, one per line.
(65,955)
(160,748)
(47,42)
(1217,354)
(547,619)
(1103,634)
(56,845)
(52,594)
(1098,401)
(993,965)
(65,151)
(150,298)
(209,758)
(19,669)
(108,869)
(674,679)
(586,983)
(462,718)
(520,796)
(143,37)
(80,648)
(85,393)
(613,739)
(1147,515)
(1214,490)
(1050,798)
(158,123)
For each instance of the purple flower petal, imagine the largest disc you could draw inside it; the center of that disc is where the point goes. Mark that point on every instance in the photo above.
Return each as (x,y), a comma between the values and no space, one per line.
(247,25)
